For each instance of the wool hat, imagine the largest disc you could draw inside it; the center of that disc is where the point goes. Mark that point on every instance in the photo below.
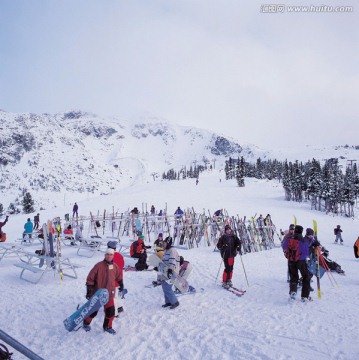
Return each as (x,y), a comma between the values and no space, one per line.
(141,237)
(227,227)
(110,251)
(112,245)
(160,235)
(298,229)
(309,231)
(291,227)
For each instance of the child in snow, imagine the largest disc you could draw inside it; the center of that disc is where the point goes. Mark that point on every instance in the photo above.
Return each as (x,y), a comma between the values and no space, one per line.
(338,234)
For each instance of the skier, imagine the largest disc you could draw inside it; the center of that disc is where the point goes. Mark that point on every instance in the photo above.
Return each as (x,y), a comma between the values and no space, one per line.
(75,210)
(120,262)
(228,244)
(138,251)
(297,251)
(338,234)
(1,225)
(197,181)
(153,210)
(160,248)
(105,274)
(36,221)
(28,229)
(172,260)
(287,235)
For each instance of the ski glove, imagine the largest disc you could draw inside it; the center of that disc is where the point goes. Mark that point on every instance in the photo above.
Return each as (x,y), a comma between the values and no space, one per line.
(169,273)
(120,286)
(89,292)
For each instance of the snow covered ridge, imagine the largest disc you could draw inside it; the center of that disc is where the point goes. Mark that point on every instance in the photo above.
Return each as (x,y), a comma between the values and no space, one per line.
(82,152)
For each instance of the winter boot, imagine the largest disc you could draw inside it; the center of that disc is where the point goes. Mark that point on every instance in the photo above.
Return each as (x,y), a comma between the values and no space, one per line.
(166,305)
(110,331)
(293,295)
(86,327)
(174,305)
(308,299)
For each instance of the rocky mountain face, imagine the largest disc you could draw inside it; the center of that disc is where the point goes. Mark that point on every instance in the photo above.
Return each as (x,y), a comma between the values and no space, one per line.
(84,153)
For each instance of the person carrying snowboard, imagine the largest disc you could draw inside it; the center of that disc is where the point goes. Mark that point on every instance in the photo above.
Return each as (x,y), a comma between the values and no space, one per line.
(104,274)
(120,262)
(228,244)
(172,260)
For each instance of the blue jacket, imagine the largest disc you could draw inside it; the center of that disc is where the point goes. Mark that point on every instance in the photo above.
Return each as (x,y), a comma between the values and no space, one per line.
(28,227)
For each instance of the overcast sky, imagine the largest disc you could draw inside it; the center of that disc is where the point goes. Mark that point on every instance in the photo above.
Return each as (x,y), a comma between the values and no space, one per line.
(262,78)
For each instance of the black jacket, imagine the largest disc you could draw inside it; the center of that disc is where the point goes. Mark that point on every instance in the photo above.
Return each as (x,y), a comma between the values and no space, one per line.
(229,245)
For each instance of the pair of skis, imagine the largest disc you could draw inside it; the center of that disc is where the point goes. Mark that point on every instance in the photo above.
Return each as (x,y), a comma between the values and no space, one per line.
(235,291)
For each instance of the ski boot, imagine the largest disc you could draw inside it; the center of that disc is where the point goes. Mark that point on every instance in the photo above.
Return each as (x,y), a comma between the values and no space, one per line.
(229,283)
(292,296)
(225,285)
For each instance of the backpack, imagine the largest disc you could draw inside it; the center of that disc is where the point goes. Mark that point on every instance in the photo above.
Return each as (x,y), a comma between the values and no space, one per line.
(292,250)
(133,248)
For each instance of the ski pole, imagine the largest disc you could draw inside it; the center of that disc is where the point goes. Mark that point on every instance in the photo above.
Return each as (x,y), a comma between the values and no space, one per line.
(245,274)
(220,265)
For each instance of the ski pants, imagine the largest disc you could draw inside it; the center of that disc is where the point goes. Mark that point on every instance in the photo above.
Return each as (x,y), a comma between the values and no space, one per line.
(170,297)
(338,237)
(109,310)
(228,269)
(300,265)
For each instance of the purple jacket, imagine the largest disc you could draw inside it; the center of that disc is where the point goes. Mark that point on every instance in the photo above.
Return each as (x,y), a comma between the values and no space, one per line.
(303,245)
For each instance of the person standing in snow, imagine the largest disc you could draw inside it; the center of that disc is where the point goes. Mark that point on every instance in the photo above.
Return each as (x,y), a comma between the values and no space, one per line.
(172,260)
(296,250)
(75,210)
(287,235)
(36,221)
(228,244)
(120,262)
(105,274)
(338,234)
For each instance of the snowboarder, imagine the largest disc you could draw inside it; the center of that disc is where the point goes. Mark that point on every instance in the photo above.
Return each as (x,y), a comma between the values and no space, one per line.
(28,229)
(120,262)
(296,250)
(105,274)
(1,225)
(338,234)
(75,210)
(228,244)
(36,221)
(138,251)
(172,260)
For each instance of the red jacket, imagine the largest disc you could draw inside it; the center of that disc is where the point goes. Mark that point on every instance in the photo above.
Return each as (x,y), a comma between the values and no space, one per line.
(104,275)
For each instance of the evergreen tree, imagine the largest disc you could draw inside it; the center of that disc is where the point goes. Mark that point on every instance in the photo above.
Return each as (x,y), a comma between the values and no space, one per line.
(27,203)
(1,209)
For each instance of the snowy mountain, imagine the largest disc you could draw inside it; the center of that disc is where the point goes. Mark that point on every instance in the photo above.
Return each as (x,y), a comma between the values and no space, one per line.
(86,154)
(83,153)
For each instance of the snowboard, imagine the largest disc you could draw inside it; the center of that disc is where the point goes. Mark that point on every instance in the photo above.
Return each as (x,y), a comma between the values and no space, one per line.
(75,320)
(179,282)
